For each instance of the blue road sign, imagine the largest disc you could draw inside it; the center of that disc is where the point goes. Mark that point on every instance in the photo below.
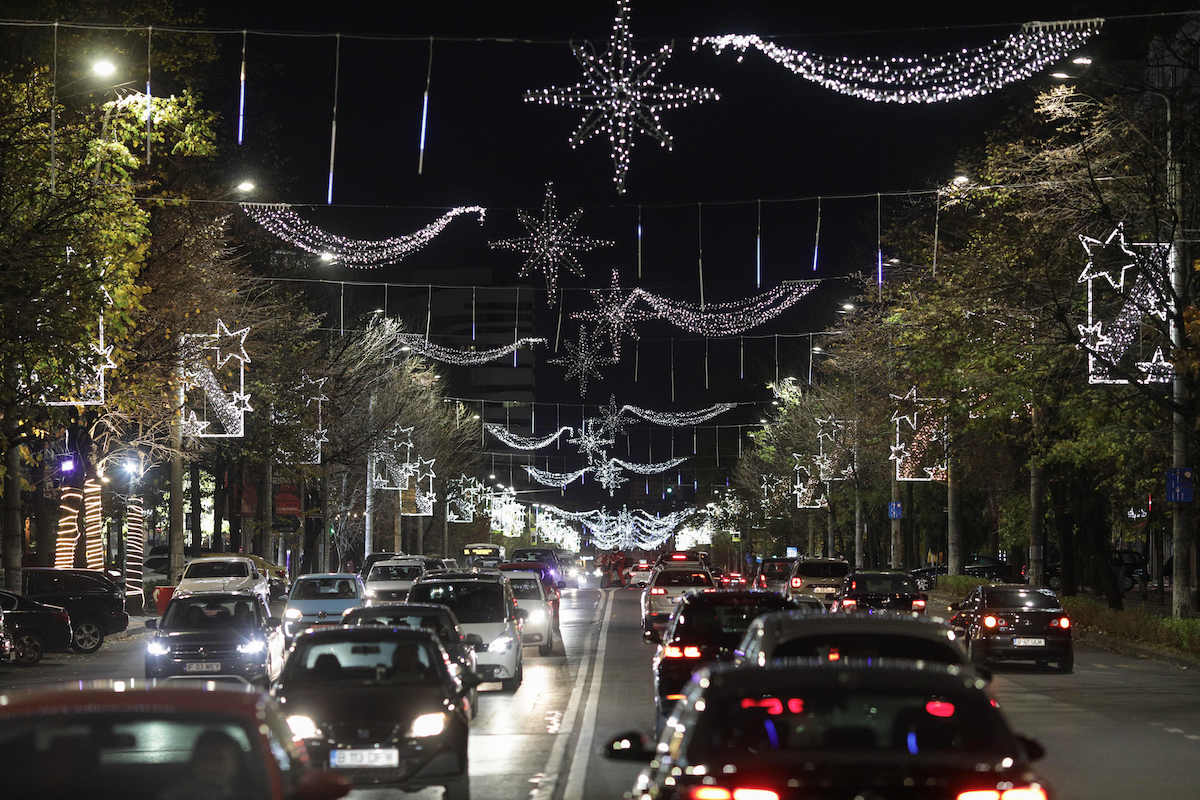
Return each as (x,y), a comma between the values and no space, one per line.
(1180,484)
(895,511)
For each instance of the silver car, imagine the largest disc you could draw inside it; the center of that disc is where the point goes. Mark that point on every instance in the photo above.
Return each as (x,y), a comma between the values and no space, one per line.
(817,577)
(667,585)
(773,574)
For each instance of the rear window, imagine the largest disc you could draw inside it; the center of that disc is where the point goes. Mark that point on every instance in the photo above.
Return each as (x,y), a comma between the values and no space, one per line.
(679,577)
(822,569)
(776,569)
(386,572)
(217,569)
(705,621)
(526,588)
(378,661)
(882,584)
(399,618)
(1021,598)
(836,646)
(471,601)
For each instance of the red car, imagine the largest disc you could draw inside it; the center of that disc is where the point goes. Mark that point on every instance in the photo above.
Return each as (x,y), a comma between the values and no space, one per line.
(135,739)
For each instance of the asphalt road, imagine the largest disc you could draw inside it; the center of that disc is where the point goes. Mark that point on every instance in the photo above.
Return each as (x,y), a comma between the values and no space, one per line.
(1119,727)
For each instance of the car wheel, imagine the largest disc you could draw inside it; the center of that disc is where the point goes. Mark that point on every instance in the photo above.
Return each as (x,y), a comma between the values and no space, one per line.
(511,684)
(87,637)
(27,649)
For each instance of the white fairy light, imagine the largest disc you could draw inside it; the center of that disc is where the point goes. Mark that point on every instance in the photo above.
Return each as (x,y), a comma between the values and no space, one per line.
(920,444)
(581,360)
(1108,343)
(612,417)
(559,480)
(285,223)
(551,243)
(200,354)
(507,516)
(423,498)
(955,75)
(93,393)
(591,439)
(722,319)
(463,358)
(836,439)
(135,546)
(649,469)
(462,496)
(619,95)
(388,471)
(690,537)
(525,442)
(552,530)
(313,432)
(809,489)
(612,314)
(609,475)
(680,419)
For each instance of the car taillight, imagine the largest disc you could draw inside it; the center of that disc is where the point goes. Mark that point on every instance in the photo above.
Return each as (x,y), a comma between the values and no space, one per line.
(675,651)
(797,583)
(849,603)
(918,604)
(740,793)
(1031,792)
(658,590)
(1061,622)
(990,622)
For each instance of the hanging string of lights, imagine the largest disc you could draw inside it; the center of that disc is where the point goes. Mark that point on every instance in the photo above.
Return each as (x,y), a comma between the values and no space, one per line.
(955,75)
(93,524)
(464,358)
(286,224)
(680,419)
(649,469)
(525,442)
(723,319)
(68,527)
(559,480)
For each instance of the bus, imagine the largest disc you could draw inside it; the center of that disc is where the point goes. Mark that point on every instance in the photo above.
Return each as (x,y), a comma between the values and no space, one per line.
(482,554)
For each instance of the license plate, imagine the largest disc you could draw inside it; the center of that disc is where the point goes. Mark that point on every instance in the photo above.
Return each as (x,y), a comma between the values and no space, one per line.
(202,666)
(823,590)
(1029,642)
(381,757)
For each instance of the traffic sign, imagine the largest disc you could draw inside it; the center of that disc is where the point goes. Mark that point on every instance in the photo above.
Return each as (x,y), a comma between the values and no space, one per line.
(895,511)
(1180,484)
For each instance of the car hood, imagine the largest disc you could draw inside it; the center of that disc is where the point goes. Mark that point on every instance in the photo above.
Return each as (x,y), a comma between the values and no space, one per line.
(219,636)
(215,584)
(389,585)
(354,702)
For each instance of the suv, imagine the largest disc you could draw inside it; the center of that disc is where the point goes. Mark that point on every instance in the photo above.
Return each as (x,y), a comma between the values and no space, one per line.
(819,577)
(485,606)
(666,588)
(224,574)
(94,602)
(389,581)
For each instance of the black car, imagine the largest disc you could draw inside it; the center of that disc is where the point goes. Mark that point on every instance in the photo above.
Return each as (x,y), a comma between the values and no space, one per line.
(1015,623)
(706,630)
(834,730)
(35,628)
(94,601)
(380,705)
(879,590)
(215,633)
(6,643)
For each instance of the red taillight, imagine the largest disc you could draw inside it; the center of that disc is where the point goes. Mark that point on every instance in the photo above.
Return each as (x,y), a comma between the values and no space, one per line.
(1032,792)
(710,793)
(740,793)
(658,590)
(918,605)
(939,708)
(1061,622)
(990,622)
(834,655)
(679,557)
(754,794)
(675,651)
(797,583)
(849,604)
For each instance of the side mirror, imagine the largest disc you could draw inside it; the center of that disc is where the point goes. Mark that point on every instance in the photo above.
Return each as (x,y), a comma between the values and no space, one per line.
(629,746)
(473,640)
(152,624)
(1033,748)
(321,785)
(651,636)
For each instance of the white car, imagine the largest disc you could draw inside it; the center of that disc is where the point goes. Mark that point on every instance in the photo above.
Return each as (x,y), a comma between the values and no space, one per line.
(639,573)
(231,574)
(484,605)
(530,594)
(320,599)
(668,584)
(389,581)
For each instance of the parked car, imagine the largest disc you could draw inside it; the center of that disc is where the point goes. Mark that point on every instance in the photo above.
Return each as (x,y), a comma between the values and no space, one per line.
(113,738)
(216,633)
(6,643)
(879,590)
(380,705)
(224,574)
(35,628)
(95,603)
(1014,622)
(817,577)
(812,729)
(321,599)
(277,577)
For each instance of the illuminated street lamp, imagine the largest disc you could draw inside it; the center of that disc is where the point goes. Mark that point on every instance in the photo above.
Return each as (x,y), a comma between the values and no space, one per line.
(245,186)
(104,68)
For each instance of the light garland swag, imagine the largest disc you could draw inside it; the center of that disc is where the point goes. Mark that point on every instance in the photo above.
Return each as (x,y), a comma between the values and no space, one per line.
(464,358)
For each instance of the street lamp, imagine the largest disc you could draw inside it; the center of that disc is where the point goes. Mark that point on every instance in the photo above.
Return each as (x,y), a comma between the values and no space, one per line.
(961,180)
(847,306)
(1062,76)
(245,186)
(327,257)
(104,68)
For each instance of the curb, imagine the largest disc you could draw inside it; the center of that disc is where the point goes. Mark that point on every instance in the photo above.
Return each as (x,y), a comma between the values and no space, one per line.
(137,628)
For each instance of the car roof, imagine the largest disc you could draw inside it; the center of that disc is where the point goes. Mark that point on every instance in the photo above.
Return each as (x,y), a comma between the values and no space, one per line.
(731,597)
(821,560)
(213,593)
(779,558)
(525,573)
(136,694)
(920,676)
(402,608)
(406,561)
(340,632)
(348,576)
(897,572)
(491,576)
(1020,587)
(786,623)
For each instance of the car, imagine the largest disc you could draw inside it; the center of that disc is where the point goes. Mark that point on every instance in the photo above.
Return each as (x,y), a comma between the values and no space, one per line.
(374,558)
(35,628)
(216,633)
(541,622)
(389,581)
(1014,622)
(7,651)
(879,590)
(832,637)
(804,728)
(550,587)
(95,603)
(277,577)
(925,578)
(542,555)
(706,629)
(667,587)
(774,573)
(380,705)
(320,599)
(438,619)
(449,563)
(224,574)
(640,572)
(817,577)
(120,738)
(485,606)
(683,558)
(733,580)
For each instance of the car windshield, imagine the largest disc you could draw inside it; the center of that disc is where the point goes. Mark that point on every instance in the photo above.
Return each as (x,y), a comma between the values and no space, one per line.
(704,621)
(882,584)
(471,601)
(383,660)
(793,718)
(533,555)
(392,572)
(835,646)
(217,569)
(1021,598)
(157,563)
(680,577)
(77,754)
(776,569)
(325,589)
(198,613)
(433,622)
(822,569)
(526,588)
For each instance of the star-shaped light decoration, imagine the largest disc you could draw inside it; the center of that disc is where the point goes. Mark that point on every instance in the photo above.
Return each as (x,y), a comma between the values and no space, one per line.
(907,406)
(899,452)
(424,468)
(619,96)
(551,244)
(612,419)
(242,401)
(236,348)
(612,313)
(609,475)
(1157,369)
(193,426)
(829,428)
(1107,257)
(581,360)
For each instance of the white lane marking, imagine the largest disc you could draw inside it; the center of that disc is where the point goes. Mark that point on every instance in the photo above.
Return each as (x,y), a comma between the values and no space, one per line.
(549,776)
(587,733)
(1193,737)
(1173,730)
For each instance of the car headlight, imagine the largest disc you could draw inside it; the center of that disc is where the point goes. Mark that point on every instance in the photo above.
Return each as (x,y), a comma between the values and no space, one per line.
(252,647)
(536,617)
(597,572)
(368,592)
(303,727)
(293,613)
(501,644)
(428,725)
(157,649)
(572,572)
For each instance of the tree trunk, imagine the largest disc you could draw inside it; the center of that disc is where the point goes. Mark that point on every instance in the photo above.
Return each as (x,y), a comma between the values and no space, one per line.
(235,507)
(175,532)
(12,550)
(262,533)
(830,522)
(912,552)
(45,517)
(1037,533)
(397,523)
(812,534)
(1064,523)
(954,555)
(858,523)
(326,519)
(197,498)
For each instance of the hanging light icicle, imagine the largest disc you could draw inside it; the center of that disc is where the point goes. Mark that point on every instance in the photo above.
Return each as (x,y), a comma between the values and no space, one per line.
(149,95)
(700,250)
(817,236)
(242,93)
(639,242)
(337,74)
(425,110)
(758,246)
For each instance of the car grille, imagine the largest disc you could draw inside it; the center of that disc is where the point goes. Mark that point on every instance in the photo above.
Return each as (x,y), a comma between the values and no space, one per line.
(195,651)
(360,731)
(392,594)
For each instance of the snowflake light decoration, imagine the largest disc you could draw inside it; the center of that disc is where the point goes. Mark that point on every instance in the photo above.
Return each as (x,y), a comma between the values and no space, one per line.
(1109,342)
(619,96)
(591,439)
(581,360)
(609,475)
(612,420)
(551,243)
(612,314)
